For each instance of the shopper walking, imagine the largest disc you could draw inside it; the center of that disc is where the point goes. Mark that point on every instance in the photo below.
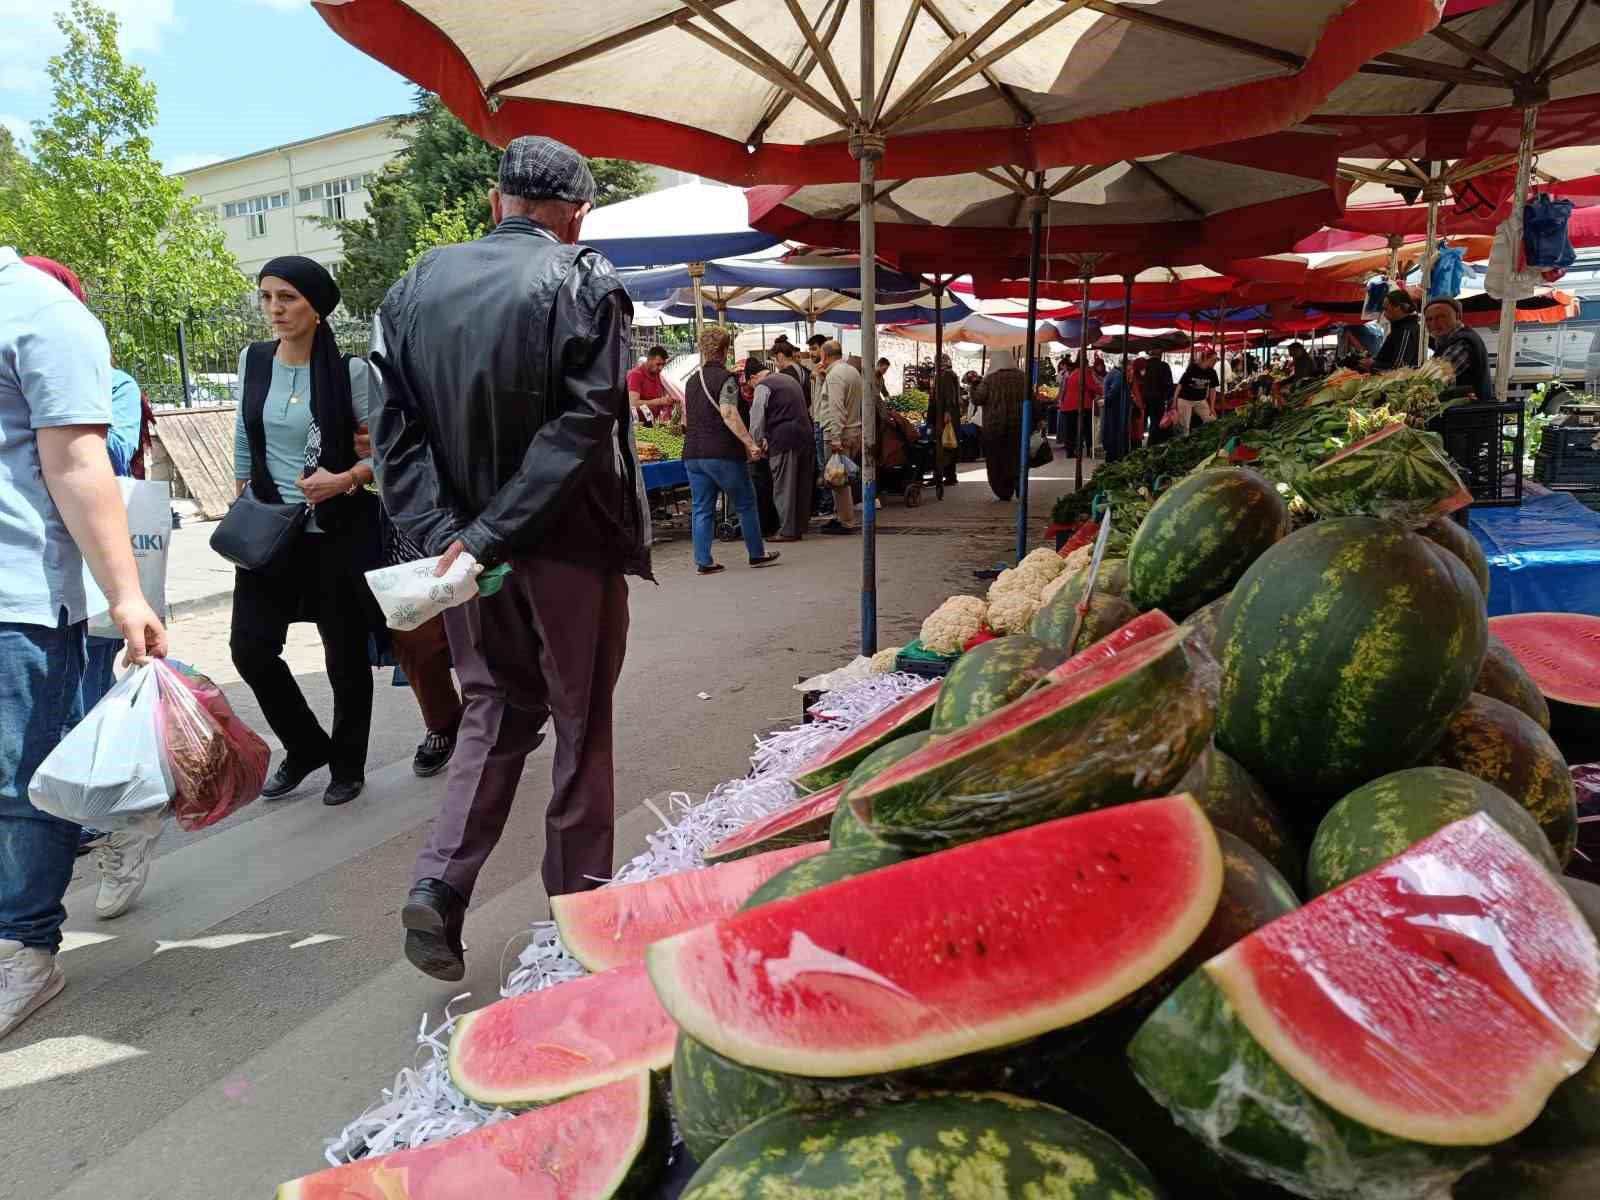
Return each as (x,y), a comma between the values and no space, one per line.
(517,449)
(59,508)
(782,429)
(840,418)
(1081,390)
(1197,391)
(1000,396)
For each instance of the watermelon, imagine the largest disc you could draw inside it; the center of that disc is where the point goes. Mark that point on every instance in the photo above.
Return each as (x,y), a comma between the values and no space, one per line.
(1572,1117)
(1344,651)
(1398,474)
(610,1141)
(991,676)
(811,873)
(1495,743)
(1535,1175)
(1237,803)
(867,975)
(1332,1051)
(1458,540)
(610,926)
(1053,623)
(1507,680)
(808,819)
(847,829)
(1118,641)
(938,1146)
(1201,535)
(1206,619)
(1254,894)
(906,715)
(1380,819)
(542,1046)
(1126,727)
(1561,651)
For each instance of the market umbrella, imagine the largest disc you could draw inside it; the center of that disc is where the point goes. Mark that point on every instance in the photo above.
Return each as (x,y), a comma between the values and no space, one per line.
(685,85)
(689,223)
(993,333)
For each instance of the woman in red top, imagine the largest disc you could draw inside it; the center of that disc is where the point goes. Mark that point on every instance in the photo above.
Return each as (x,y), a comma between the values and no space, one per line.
(1079,384)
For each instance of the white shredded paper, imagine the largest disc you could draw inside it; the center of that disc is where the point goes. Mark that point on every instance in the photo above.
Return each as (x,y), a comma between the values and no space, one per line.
(423,1105)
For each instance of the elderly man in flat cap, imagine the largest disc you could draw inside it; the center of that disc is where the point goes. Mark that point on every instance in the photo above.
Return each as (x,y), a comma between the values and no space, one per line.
(505,433)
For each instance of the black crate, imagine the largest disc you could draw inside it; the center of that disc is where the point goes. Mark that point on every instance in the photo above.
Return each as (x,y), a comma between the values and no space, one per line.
(1485,441)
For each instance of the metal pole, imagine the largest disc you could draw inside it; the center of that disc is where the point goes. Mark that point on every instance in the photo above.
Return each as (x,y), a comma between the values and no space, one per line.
(867,147)
(1395,242)
(696,270)
(183,364)
(1222,356)
(1125,416)
(1036,205)
(1430,250)
(1506,346)
(1083,385)
(936,430)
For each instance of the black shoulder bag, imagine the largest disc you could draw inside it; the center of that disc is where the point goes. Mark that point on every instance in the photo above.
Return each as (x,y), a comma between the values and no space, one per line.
(257,532)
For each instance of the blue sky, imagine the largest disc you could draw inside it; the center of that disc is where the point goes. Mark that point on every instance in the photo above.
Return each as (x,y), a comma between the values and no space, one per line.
(233,75)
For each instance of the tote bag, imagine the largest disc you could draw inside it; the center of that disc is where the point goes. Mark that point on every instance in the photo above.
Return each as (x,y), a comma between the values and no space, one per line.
(149,505)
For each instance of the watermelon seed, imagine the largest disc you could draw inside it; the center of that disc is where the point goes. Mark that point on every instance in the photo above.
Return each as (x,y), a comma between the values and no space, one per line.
(981,949)
(1113,856)
(1079,871)
(1451,959)
(950,948)
(1124,878)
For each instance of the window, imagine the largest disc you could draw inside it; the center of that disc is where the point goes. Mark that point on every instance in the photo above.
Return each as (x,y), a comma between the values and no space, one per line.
(333,188)
(255,205)
(255,225)
(333,208)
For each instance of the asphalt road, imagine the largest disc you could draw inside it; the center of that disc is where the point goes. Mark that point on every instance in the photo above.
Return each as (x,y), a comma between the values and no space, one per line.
(256,998)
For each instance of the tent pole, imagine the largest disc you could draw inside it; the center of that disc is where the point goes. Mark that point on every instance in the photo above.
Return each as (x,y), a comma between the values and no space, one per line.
(866,146)
(1083,386)
(1395,241)
(1430,250)
(696,271)
(1036,203)
(1508,304)
(1125,411)
(936,428)
(1222,354)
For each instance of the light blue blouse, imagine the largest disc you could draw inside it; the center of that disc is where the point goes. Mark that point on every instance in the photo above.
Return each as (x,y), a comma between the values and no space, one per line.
(287,416)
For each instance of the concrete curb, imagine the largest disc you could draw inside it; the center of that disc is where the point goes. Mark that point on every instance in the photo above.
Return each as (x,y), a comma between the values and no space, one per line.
(198,606)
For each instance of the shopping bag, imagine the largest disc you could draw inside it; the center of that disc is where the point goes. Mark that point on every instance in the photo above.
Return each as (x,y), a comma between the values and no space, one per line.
(410,594)
(109,771)
(1448,273)
(948,439)
(1039,452)
(840,471)
(216,762)
(149,505)
(1506,277)
(1545,242)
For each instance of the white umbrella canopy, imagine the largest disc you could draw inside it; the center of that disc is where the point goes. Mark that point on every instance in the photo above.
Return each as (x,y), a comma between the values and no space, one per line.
(687,223)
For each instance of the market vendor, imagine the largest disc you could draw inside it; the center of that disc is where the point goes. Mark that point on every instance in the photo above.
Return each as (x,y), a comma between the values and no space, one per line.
(646,391)
(1460,346)
(1402,345)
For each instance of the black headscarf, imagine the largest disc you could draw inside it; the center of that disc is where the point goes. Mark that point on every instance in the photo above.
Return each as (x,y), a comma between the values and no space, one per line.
(331,404)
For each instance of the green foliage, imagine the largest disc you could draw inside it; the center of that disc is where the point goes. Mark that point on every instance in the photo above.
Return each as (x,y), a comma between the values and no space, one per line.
(912,400)
(447,227)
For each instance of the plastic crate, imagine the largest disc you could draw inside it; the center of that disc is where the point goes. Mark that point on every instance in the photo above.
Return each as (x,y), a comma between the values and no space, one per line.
(1485,441)
(914,660)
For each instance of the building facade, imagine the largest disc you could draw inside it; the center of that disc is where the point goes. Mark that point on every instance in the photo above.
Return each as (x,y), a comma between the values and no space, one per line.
(269,202)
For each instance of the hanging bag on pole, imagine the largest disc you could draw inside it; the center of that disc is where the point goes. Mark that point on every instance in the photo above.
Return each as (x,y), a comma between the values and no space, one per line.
(1545,244)
(1448,272)
(1377,289)
(1505,277)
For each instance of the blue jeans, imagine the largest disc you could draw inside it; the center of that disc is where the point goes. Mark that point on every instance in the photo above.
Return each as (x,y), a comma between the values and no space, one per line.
(41,670)
(101,670)
(707,477)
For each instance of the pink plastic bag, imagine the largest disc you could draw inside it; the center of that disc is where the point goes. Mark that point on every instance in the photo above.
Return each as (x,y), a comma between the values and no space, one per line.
(217,762)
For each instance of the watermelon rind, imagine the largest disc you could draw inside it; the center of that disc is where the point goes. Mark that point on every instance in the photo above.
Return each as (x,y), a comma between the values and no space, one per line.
(1453,536)
(949,1144)
(1200,536)
(1207,619)
(1498,744)
(823,869)
(907,715)
(1235,802)
(1397,474)
(807,819)
(1119,641)
(847,829)
(1507,680)
(990,676)
(1394,812)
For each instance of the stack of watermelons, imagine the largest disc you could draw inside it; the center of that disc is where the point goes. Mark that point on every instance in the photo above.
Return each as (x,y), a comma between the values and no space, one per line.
(1054,941)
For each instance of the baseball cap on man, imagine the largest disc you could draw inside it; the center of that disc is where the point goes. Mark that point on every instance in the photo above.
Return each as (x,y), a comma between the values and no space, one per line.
(541,168)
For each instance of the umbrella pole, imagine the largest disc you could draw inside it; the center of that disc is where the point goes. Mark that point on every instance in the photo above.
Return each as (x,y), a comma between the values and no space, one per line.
(1508,304)
(1125,407)
(1395,241)
(936,429)
(1083,386)
(1222,354)
(696,271)
(866,146)
(1035,224)
(1430,250)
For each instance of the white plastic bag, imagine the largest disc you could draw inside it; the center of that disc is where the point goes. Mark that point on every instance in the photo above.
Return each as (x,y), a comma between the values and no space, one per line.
(1505,275)
(149,505)
(109,771)
(841,469)
(410,595)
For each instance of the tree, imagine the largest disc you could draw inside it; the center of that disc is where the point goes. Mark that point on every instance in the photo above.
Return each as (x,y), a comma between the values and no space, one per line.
(447,227)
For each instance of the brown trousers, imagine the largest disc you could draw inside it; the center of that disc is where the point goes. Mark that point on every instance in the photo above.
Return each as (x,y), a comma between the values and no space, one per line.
(424,655)
(549,643)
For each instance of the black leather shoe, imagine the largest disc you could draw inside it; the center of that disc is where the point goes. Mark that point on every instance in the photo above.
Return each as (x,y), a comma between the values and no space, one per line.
(432,918)
(287,777)
(342,791)
(433,754)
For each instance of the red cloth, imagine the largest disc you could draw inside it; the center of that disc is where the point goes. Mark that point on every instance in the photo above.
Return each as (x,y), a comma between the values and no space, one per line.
(64,275)
(1068,399)
(650,390)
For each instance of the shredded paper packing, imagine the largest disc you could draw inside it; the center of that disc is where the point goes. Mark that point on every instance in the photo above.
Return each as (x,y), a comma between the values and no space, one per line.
(423,1105)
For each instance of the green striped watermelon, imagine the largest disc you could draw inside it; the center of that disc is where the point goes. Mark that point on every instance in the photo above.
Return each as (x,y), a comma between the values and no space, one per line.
(939,1146)
(847,829)
(1456,538)
(991,676)
(1345,649)
(808,819)
(1561,651)
(1505,679)
(1206,620)
(1398,474)
(811,873)
(1200,536)
(1494,742)
(1237,803)
(1106,612)
(1394,812)
(905,716)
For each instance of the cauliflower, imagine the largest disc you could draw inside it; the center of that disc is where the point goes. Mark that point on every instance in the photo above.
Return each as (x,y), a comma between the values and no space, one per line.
(1055,585)
(1006,581)
(1043,565)
(1078,559)
(1013,609)
(954,623)
(883,660)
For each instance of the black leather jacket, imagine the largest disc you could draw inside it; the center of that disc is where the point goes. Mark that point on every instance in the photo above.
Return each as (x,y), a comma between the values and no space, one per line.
(504,419)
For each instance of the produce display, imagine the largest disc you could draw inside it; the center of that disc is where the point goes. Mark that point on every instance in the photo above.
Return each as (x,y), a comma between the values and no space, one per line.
(1561,651)
(808,819)
(908,716)
(658,443)
(991,676)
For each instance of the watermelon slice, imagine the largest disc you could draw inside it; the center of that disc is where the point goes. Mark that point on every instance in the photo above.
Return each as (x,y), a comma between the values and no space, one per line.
(545,1045)
(1366,1044)
(958,952)
(1141,628)
(904,716)
(1397,473)
(607,1142)
(806,820)
(1561,651)
(610,926)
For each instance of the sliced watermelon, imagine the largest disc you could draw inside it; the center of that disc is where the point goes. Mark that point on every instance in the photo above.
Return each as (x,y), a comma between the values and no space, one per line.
(1562,653)
(954,953)
(610,926)
(611,1141)
(545,1045)
(1398,474)
(904,716)
(1118,641)
(1368,1043)
(806,820)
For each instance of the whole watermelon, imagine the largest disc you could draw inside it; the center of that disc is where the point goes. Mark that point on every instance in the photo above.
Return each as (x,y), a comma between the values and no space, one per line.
(1206,619)
(1507,680)
(847,828)
(821,869)
(1345,650)
(991,676)
(1239,805)
(1200,536)
(1455,537)
(1053,623)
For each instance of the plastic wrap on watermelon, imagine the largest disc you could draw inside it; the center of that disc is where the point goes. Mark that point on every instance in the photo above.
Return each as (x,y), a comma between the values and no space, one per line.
(1398,473)
(1122,728)
(218,763)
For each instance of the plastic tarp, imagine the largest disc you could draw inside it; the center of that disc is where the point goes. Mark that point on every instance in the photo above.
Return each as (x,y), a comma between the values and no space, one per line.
(688,223)
(1544,556)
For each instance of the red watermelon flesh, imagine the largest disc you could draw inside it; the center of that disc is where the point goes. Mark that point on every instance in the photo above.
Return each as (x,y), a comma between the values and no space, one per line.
(806,820)
(1561,651)
(980,946)
(907,715)
(1141,628)
(610,926)
(555,1042)
(585,1147)
(1438,998)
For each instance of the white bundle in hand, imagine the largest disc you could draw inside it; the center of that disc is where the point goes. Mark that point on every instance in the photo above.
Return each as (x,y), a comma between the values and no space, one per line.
(411,595)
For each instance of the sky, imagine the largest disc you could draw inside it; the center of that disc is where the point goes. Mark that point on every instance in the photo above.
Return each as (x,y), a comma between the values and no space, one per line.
(232,76)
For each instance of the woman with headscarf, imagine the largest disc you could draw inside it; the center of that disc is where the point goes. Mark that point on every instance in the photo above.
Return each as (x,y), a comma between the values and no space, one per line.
(300,404)
(1000,395)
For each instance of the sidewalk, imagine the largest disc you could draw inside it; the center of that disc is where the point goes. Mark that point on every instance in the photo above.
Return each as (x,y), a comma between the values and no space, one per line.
(199,580)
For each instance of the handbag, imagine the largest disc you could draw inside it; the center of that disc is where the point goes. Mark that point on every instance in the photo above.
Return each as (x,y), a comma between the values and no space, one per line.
(255,534)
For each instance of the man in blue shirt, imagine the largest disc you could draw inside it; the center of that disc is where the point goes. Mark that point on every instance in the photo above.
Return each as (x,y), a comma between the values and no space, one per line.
(59,506)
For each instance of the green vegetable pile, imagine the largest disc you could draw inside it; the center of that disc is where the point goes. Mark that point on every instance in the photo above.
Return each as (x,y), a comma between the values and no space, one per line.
(665,440)
(912,400)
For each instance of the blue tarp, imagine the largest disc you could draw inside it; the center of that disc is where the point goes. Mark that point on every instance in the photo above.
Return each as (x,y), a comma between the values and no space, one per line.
(1544,556)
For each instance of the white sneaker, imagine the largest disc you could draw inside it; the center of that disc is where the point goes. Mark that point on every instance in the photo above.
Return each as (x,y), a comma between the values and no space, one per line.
(124,862)
(29,979)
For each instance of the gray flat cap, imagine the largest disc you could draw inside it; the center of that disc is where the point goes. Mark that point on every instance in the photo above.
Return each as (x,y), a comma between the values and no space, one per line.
(541,168)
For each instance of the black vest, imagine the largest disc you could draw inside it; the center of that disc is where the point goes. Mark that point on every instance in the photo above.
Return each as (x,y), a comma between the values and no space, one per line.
(707,436)
(787,423)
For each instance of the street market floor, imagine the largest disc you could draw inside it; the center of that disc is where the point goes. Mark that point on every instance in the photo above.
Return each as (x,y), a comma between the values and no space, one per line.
(256,999)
